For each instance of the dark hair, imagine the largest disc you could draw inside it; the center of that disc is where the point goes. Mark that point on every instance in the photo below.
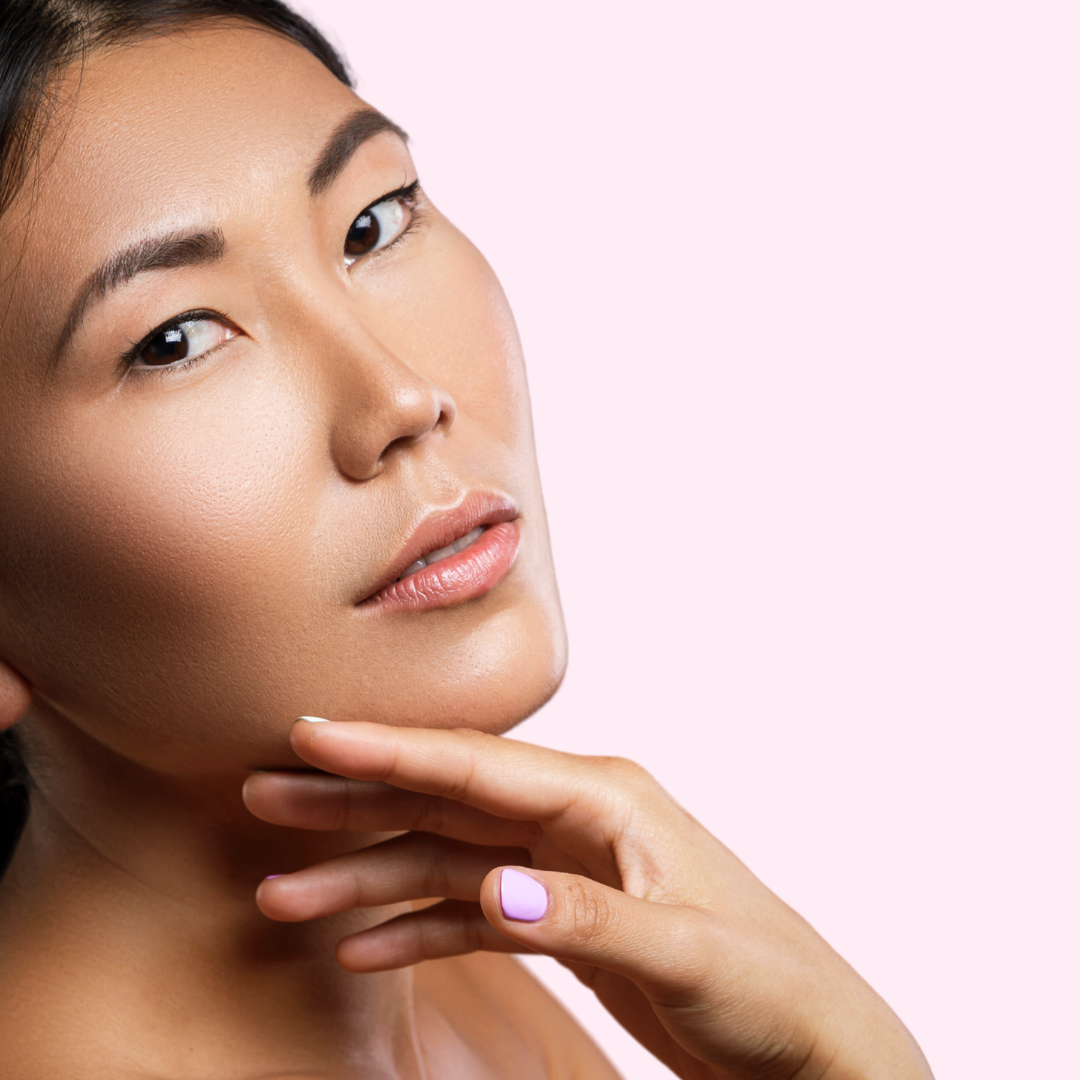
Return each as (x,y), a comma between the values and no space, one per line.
(39,39)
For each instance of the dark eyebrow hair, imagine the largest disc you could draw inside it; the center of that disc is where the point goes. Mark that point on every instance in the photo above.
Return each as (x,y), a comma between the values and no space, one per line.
(344,142)
(178,249)
(167,252)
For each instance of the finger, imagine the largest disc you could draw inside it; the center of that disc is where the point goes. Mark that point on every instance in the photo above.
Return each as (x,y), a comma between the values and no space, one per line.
(319,801)
(411,867)
(657,946)
(500,776)
(451,928)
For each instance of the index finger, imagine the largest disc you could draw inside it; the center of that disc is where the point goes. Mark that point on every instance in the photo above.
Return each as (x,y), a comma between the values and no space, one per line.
(500,776)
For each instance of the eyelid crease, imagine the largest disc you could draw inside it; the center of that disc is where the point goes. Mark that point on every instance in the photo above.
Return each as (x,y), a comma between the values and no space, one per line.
(410,193)
(412,196)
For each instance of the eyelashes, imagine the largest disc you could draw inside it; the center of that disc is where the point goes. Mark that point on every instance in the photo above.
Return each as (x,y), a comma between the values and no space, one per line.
(181,341)
(184,340)
(382,224)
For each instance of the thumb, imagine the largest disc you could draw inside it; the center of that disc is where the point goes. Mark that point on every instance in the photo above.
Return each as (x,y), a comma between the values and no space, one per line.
(579,920)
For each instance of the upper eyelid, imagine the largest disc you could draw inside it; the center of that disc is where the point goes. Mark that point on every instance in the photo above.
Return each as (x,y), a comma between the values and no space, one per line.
(414,194)
(411,192)
(408,191)
(195,315)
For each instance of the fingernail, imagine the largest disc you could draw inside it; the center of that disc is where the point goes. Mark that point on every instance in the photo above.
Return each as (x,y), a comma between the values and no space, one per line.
(314,719)
(270,877)
(523,898)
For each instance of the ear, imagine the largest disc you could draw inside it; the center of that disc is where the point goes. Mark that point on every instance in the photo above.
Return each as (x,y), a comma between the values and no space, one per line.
(14,696)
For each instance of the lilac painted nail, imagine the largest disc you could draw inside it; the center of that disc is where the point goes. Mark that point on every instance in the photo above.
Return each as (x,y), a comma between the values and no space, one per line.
(270,877)
(523,898)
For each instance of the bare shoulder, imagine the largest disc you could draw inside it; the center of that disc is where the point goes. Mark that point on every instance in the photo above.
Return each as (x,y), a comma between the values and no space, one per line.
(509,1019)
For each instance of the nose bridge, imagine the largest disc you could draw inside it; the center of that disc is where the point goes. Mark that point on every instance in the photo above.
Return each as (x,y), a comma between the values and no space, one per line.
(377,403)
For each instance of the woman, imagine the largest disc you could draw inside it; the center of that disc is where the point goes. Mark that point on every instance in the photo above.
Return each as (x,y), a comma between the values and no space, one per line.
(265,452)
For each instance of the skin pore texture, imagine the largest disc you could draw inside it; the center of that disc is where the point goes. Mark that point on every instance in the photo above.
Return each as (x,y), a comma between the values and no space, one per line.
(182,552)
(266,452)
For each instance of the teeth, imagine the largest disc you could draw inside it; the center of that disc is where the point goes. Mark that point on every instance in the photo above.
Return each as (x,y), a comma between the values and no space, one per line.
(444,552)
(466,540)
(439,554)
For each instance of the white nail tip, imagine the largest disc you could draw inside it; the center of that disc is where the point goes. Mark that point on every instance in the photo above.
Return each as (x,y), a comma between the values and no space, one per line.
(314,719)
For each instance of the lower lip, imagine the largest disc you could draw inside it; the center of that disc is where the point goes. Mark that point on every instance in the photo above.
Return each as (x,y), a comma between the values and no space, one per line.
(464,576)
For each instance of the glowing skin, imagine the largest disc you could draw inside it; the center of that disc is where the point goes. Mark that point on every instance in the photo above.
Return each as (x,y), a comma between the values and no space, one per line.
(185,552)
(334,513)
(189,545)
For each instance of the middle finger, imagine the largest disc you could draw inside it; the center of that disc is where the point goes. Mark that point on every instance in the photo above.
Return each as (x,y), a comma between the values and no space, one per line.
(415,866)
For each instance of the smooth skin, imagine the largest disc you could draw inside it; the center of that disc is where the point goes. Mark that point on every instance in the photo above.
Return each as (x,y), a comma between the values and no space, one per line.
(183,550)
(682,944)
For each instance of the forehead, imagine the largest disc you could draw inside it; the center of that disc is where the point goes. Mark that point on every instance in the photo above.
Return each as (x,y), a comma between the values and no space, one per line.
(155,134)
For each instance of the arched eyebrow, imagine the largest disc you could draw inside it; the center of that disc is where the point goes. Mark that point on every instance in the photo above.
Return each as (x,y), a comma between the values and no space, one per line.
(167,252)
(178,249)
(347,138)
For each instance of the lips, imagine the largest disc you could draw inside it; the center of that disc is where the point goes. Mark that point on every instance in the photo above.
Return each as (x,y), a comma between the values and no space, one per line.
(439,554)
(454,556)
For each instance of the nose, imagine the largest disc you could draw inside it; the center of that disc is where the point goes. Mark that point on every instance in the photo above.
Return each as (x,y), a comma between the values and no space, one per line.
(381,407)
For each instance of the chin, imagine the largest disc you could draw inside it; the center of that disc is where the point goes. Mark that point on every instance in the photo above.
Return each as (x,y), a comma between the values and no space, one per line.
(489,680)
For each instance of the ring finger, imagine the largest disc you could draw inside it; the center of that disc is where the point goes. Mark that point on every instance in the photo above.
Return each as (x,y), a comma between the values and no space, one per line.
(411,867)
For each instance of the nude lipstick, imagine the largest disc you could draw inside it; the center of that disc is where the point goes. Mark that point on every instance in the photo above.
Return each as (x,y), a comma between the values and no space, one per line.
(452,557)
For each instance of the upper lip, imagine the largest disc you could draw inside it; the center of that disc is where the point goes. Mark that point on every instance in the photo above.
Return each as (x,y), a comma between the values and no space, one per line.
(442,527)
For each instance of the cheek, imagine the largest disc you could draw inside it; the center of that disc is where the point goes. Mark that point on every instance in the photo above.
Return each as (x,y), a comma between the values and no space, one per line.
(153,529)
(449,319)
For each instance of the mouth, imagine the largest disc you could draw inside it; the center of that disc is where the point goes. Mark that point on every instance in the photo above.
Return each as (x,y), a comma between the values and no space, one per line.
(432,557)
(454,556)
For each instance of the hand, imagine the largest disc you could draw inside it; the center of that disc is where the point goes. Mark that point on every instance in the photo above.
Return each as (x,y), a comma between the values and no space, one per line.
(587,860)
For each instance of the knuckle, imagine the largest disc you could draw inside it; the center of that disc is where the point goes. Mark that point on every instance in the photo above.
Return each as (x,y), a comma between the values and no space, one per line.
(347,809)
(623,781)
(457,785)
(473,936)
(590,915)
(438,873)
(430,815)
(621,788)
(629,772)
(471,733)
(532,834)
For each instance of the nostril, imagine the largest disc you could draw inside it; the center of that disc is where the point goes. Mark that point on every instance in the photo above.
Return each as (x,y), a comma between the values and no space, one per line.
(440,415)
(391,411)
(403,442)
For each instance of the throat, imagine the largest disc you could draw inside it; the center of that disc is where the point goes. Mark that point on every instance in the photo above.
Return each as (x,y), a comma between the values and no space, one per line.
(113,959)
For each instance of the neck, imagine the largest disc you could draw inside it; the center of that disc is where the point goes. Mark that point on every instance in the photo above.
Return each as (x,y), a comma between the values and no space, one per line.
(132,895)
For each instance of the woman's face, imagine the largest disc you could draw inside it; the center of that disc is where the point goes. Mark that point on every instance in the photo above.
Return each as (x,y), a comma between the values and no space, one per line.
(201,517)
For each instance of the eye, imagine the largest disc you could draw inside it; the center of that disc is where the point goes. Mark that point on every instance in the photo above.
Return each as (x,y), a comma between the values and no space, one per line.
(378,226)
(187,340)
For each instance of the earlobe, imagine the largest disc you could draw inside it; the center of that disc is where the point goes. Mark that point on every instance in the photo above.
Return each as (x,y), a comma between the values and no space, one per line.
(14,696)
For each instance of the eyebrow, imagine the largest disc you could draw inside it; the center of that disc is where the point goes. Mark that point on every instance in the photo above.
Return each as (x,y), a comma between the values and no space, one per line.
(347,138)
(168,252)
(174,250)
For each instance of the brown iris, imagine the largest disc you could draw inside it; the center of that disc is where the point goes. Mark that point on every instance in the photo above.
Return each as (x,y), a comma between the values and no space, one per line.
(363,235)
(166,348)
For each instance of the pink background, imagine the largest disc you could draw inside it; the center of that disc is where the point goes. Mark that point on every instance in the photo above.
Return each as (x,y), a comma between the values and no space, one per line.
(798,288)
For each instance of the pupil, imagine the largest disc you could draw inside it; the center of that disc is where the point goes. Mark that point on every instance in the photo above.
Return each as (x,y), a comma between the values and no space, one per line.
(168,347)
(363,235)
